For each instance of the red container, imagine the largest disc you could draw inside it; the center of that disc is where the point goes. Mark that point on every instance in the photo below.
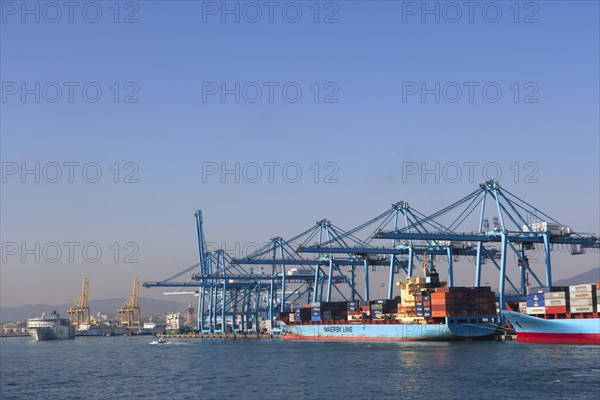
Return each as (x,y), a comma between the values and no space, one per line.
(556,310)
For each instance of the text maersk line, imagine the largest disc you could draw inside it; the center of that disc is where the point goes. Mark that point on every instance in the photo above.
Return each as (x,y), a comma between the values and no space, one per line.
(338,329)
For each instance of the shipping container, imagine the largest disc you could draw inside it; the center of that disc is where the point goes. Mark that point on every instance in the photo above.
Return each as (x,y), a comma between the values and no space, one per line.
(582,295)
(582,309)
(532,303)
(582,288)
(555,302)
(536,296)
(536,310)
(581,302)
(352,306)
(539,290)
(555,295)
(556,309)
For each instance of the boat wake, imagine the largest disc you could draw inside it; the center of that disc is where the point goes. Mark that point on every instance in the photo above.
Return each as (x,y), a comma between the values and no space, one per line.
(156,342)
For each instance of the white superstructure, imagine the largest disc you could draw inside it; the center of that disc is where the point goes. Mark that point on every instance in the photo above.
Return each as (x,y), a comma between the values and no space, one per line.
(51,327)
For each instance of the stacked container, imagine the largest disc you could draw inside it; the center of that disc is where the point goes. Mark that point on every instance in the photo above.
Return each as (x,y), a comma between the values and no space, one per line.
(463,301)
(383,307)
(556,300)
(536,304)
(597,297)
(583,298)
(419,304)
(576,299)
(315,314)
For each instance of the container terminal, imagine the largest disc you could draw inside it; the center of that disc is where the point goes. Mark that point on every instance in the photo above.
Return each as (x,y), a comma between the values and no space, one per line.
(317,285)
(259,292)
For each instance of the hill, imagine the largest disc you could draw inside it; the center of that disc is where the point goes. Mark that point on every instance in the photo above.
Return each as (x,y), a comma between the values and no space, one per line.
(106,306)
(593,275)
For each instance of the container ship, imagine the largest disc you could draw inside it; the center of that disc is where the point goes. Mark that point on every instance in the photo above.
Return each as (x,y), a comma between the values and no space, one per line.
(558,315)
(51,327)
(426,310)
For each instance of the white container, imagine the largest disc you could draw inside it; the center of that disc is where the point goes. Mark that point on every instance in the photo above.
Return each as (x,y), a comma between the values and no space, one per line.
(598,308)
(588,287)
(522,306)
(582,302)
(536,310)
(551,227)
(555,302)
(555,295)
(581,295)
(583,309)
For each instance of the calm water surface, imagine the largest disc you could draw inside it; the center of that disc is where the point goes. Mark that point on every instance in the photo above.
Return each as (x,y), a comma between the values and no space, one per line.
(134,368)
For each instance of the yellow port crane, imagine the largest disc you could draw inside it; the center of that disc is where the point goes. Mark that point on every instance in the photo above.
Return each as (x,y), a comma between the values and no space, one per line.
(79,313)
(130,311)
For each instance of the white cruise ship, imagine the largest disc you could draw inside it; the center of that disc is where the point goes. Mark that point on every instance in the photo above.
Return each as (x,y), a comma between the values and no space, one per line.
(51,327)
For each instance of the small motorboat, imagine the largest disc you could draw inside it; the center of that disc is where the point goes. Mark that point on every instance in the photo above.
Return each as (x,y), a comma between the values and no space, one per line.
(161,340)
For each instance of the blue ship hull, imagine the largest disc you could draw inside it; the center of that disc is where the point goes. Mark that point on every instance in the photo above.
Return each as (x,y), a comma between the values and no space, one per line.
(454,328)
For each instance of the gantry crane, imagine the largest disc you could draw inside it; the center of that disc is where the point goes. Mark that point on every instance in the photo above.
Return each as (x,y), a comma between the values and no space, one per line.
(231,289)
(79,313)
(130,311)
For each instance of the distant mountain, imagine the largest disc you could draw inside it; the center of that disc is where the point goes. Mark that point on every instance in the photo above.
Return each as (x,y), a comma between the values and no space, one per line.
(107,306)
(593,275)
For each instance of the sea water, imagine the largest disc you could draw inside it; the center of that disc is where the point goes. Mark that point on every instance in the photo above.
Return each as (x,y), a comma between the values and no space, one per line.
(141,368)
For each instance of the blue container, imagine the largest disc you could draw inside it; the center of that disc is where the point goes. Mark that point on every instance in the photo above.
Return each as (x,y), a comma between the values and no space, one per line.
(536,297)
(534,303)
(315,318)
(352,306)
(540,290)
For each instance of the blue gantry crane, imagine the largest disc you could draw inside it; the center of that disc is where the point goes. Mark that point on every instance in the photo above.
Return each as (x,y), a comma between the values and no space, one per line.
(237,293)
(517,227)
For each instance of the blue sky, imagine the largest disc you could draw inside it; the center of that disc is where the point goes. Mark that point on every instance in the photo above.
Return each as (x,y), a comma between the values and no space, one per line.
(366,62)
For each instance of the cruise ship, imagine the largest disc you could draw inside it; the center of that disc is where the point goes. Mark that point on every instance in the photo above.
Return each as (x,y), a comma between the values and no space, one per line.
(51,327)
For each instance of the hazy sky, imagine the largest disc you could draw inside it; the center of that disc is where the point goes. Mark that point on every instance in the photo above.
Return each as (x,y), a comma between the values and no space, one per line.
(129,118)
